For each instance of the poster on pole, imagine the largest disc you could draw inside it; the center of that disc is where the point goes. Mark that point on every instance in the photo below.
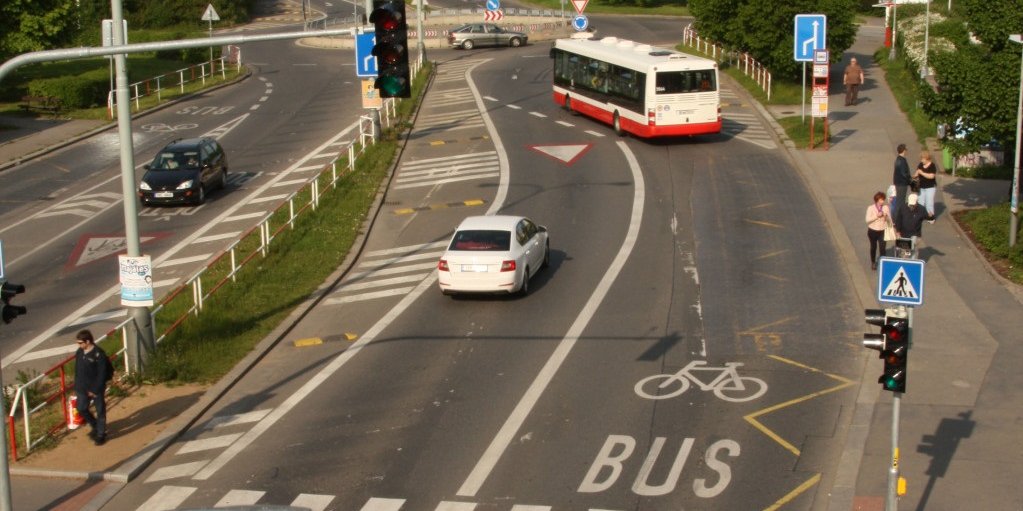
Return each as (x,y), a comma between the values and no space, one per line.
(136,280)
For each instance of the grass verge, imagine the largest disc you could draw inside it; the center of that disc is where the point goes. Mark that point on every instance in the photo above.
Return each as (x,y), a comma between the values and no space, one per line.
(798,131)
(989,230)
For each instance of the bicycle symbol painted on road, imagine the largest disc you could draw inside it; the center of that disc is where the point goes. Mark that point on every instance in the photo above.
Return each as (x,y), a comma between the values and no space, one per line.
(160,127)
(728,385)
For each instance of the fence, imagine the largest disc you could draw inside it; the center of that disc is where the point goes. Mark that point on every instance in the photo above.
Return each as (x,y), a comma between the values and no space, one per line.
(743,62)
(187,299)
(177,80)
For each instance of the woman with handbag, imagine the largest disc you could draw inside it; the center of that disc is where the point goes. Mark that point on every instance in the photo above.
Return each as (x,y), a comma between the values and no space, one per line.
(879,227)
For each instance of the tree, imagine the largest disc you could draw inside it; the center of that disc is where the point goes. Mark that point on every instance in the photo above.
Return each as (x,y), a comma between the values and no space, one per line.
(34,25)
(764,28)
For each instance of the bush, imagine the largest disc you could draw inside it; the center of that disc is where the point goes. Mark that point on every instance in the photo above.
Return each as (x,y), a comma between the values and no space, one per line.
(82,91)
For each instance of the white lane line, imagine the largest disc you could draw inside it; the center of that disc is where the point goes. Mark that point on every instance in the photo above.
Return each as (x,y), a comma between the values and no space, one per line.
(167,498)
(183,260)
(269,198)
(335,365)
(594,133)
(563,123)
(514,107)
(538,114)
(217,237)
(455,506)
(509,431)
(245,216)
(312,502)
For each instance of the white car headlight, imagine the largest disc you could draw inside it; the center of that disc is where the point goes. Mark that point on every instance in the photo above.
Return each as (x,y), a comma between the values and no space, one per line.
(144,186)
(186,185)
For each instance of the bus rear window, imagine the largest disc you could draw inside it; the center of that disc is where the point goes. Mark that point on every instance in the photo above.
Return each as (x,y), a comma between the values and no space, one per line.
(678,82)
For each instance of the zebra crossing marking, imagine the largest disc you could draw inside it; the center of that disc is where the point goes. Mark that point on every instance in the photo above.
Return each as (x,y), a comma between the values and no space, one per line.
(388,272)
(167,498)
(205,444)
(240,498)
(436,171)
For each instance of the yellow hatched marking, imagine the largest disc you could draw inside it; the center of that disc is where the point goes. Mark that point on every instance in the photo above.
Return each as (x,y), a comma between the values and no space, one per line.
(349,336)
(809,483)
(404,211)
(752,418)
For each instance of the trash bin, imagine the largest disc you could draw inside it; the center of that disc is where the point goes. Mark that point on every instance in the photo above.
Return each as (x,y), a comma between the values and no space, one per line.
(946,159)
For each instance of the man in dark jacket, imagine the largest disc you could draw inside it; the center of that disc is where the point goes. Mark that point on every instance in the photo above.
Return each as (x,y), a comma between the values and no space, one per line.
(91,375)
(900,179)
(909,220)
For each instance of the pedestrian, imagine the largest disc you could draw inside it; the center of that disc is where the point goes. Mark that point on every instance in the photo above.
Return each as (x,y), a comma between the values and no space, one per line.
(852,79)
(901,179)
(878,219)
(909,220)
(92,371)
(927,176)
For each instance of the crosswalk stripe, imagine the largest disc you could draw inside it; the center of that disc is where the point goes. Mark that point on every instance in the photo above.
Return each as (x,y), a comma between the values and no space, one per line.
(406,249)
(184,260)
(397,269)
(466,165)
(167,498)
(175,471)
(456,506)
(445,159)
(217,237)
(205,444)
(446,181)
(244,216)
(239,418)
(240,498)
(381,282)
(268,198)
(312,502)
(368,296)
(391,261)
(377,504)
(527,507)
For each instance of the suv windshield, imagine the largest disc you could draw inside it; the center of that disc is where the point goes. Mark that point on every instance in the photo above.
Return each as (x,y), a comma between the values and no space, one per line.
(176,160)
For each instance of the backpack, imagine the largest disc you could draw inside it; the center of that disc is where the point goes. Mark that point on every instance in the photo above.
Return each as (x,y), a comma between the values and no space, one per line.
(110,367)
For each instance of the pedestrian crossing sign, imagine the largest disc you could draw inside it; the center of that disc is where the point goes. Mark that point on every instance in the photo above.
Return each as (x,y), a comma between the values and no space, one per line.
(900,281)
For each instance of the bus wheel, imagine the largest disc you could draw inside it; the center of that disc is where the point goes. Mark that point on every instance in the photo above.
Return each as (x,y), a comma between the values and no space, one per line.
(617,124)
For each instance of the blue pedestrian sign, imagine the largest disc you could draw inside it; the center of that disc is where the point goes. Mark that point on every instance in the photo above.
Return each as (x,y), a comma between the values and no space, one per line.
(580,23)
(900,281)
(810,35)
(365,62)
(493,5)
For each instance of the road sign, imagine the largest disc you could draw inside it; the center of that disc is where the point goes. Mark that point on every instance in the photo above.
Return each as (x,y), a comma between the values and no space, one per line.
(365,62)
(810,35)
(210,14)
(493,15)
(900,281)
(493,5)
(580,5)
(580,23)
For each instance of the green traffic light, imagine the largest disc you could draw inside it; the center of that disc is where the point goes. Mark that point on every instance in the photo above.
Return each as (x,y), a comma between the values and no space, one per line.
(391,86)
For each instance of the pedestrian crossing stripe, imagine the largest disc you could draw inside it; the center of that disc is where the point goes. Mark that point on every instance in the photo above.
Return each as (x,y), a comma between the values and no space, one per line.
(900,281)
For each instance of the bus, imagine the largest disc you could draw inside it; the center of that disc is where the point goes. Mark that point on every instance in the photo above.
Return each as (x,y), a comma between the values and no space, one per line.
(637,88)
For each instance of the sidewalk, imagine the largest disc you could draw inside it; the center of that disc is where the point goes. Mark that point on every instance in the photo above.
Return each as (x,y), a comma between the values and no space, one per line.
(960,425)
(961,419)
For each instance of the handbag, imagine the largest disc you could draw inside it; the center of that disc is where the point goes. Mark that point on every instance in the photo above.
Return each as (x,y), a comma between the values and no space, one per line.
(914,184)
(889,231)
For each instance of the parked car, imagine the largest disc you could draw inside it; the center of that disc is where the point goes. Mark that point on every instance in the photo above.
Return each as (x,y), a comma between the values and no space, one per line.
(484,34)
(183,172)
(493,254)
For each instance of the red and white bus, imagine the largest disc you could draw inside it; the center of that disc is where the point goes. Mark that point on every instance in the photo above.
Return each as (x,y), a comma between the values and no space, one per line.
(637,88)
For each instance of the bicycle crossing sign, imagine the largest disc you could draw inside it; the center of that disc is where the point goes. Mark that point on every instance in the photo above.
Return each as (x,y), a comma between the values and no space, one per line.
(900,281)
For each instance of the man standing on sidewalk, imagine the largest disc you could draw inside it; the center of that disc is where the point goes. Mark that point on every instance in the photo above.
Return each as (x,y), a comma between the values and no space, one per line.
(92,371)
(853,79)
(900,178)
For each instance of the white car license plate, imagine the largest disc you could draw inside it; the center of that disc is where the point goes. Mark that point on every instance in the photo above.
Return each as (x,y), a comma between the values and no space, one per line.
(163,195)
(479,268)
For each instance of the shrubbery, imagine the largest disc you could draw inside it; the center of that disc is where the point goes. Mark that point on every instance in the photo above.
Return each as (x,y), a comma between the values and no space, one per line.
(83,91)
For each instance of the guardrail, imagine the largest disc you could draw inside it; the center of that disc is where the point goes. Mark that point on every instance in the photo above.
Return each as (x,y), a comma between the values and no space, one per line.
(743,62)
(177,80)
(37,396)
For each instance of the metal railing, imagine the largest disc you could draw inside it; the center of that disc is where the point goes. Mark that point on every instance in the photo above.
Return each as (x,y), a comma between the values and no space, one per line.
(177,80)
(219,271)
(749,66)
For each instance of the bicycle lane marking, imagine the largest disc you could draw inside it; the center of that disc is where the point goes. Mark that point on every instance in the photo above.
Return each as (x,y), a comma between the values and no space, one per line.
(513,424)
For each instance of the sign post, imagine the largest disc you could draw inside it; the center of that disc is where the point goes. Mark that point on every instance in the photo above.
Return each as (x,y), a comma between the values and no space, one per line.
(210,15)
(819,96)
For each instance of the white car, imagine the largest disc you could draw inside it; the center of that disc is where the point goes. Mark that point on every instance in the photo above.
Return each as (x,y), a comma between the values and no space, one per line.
(493,254)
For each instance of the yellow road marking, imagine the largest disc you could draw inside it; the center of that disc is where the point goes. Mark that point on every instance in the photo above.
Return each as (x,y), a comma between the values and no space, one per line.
(764,205)
(770,254)
(752,418)
(350,336)
(794,493)
(435,207)
(312,341)
(769,276)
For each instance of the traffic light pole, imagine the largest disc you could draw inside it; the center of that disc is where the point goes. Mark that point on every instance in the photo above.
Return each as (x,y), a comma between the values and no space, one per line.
(892,499)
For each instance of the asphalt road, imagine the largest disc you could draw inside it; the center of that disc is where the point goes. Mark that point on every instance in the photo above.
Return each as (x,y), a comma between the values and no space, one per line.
(666,257)
(63,221)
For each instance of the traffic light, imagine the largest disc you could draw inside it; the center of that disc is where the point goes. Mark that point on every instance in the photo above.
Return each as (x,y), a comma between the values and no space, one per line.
(391,48)
(7,291)
(895,354)
(875,317)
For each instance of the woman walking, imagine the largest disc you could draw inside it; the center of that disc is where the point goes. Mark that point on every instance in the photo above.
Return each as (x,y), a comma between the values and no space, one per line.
(879,217)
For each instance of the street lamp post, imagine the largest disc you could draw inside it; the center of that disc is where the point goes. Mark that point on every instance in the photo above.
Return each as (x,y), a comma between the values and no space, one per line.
(1014,204)
(927,30)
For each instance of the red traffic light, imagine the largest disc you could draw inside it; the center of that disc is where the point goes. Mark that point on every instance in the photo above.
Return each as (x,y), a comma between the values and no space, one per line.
(388,15)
